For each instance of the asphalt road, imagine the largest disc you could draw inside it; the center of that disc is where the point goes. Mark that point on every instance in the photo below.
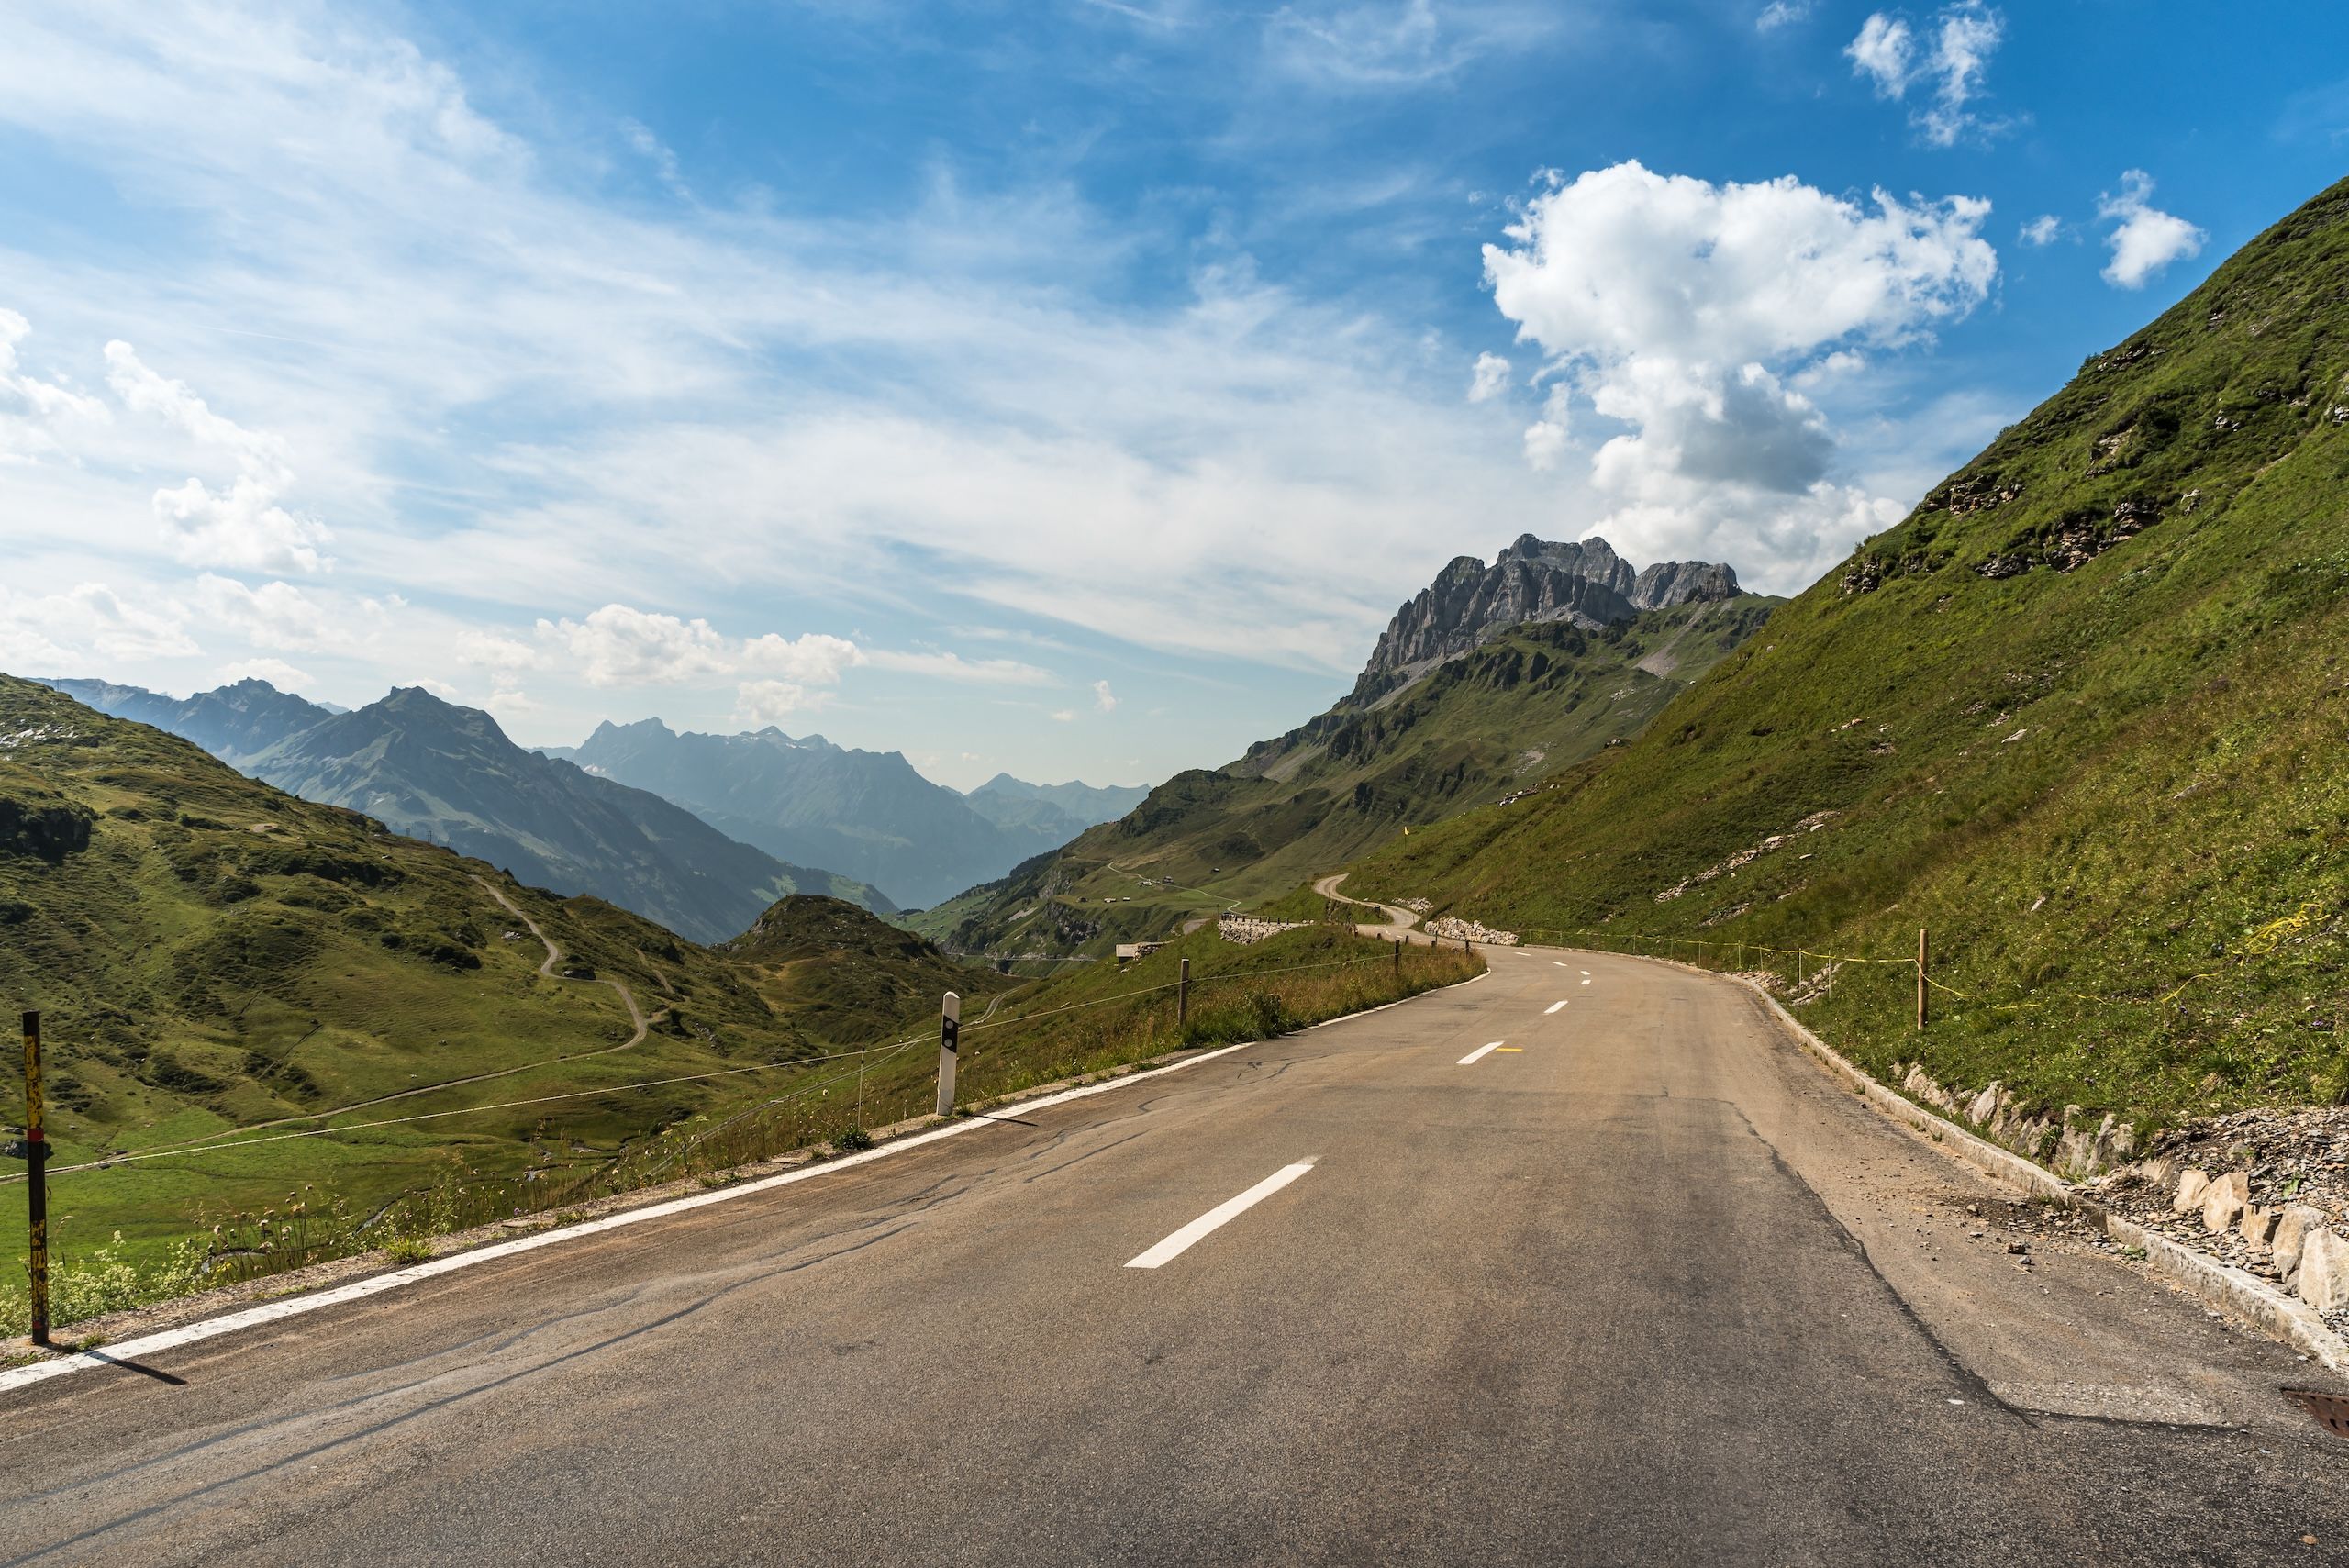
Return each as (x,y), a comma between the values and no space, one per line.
(1639,1285)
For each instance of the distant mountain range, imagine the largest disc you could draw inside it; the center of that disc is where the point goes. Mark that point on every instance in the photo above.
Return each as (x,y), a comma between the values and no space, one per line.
(449,775)
(697,831)
(1061,810)
(868,814)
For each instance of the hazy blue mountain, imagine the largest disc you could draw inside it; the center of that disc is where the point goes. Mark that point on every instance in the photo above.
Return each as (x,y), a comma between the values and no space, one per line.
(868,814)
(1066,810)
(234,723)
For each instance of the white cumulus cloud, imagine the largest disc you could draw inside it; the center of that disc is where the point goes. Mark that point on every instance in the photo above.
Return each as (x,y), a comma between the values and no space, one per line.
(1545,438)
(2044,229)
(774,676)
(58,634)
(1883,53)
(620,646)
(243,526)
(275,615)
(761,703)
(1489,376)
(1680,309)
(2144,238)
(1104,699)
(812,658)
(1781,13)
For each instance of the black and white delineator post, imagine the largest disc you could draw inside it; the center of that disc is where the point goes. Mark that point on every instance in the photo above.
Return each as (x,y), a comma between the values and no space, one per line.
(950,1040)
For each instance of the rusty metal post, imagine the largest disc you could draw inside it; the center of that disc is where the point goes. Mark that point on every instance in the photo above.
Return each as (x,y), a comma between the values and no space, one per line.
(1182,996)
(36,1184)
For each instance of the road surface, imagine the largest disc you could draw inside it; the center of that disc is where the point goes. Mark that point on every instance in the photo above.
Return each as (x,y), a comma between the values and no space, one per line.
(1638,1284)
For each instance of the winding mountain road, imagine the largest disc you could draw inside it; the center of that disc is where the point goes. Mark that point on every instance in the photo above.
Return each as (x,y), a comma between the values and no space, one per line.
(1579,1263)
(1397,919)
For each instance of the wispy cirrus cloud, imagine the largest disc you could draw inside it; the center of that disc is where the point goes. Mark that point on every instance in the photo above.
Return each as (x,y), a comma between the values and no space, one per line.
(1373,44)
(1947,61)
(397,264)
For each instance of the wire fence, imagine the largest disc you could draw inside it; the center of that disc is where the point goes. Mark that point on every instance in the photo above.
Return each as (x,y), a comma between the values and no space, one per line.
(1805,963)
(833,1099)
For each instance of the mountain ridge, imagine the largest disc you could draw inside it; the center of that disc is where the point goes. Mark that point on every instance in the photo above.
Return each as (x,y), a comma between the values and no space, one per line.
(1529,581)
(451,775)
(1410,746)
(869,814)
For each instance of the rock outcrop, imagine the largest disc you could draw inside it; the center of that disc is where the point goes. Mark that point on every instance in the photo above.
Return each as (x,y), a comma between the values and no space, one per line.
(1533,580)
(46,829)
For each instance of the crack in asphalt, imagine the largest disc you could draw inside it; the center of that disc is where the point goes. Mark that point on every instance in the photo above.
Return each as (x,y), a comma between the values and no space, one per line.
(1081,1159)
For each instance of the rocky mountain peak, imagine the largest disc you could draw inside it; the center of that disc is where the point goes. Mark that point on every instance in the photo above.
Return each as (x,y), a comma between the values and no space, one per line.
(1535,578)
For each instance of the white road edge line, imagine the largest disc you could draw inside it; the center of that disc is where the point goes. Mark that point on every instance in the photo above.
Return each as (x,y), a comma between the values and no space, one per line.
(1222,1214)
(1560,964)
(376,1285)
(1552,1009)
(1470,1060)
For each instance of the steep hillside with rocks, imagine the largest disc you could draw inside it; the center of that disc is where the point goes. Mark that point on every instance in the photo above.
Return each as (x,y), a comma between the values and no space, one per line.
(1437,734)
(2081,715)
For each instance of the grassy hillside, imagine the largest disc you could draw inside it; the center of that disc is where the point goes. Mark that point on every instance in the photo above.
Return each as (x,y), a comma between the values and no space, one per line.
(1100,1016)
(209,954)
(1488,724)
(2081,714)
(842,977)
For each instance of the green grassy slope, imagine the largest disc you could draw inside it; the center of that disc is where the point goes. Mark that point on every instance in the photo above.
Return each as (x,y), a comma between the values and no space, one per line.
(1103,1015)
(2081,714)
(211,954)
(844,978)
(1488,724)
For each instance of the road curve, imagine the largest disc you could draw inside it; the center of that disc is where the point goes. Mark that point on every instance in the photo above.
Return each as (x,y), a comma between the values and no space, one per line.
(1482,1278)
(1397,919)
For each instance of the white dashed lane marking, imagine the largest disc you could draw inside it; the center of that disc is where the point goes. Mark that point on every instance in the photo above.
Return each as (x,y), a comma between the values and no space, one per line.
(1220,1215)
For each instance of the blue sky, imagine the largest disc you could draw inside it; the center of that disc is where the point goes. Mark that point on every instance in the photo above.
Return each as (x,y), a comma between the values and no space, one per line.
(1072,386)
